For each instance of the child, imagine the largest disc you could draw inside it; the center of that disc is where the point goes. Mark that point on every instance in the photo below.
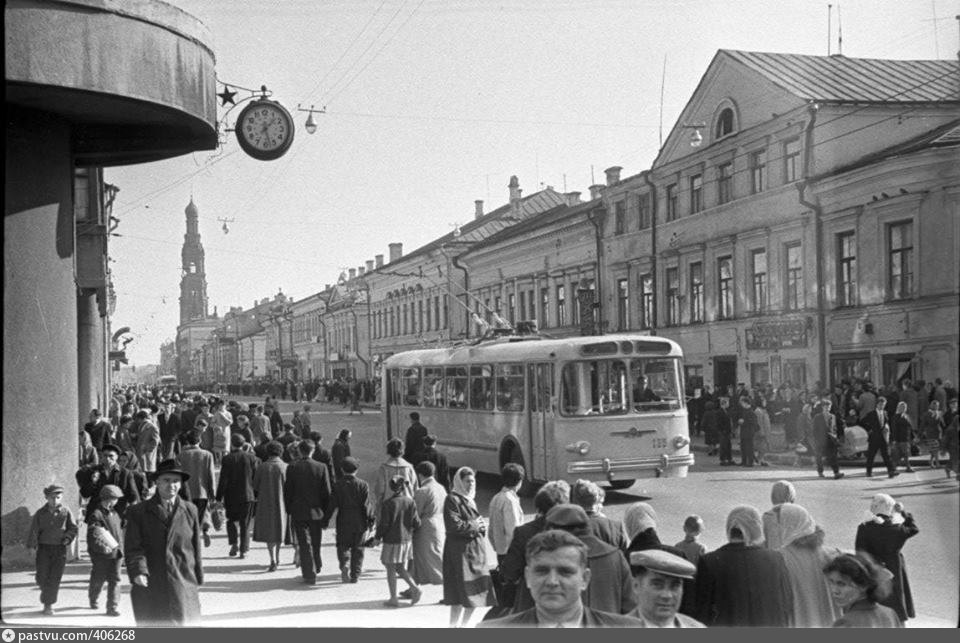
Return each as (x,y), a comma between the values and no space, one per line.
(354,508)
(51,530)
(398,521)
(690,546)
(103,544)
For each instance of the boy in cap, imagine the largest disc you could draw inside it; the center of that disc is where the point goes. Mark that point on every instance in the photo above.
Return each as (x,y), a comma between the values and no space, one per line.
(51,530)
(104,536)
(658,578)
(350,500)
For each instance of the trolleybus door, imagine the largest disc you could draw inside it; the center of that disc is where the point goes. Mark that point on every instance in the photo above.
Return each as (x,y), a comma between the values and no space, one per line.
(541,415)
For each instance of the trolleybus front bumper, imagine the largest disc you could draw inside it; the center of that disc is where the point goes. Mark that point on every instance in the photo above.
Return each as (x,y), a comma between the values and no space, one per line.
(610,468)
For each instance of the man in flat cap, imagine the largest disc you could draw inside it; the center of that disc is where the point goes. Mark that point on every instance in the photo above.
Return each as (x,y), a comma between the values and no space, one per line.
(109,471)
(163,552)
(658,578)
(557,575)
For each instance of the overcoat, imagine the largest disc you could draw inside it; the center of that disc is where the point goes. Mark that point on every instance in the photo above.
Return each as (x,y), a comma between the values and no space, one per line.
(271,518)
(199,464)
(235,486)
(466,580)
(428,539)
(306,490)
(389,469)
(514,563)
(168,551)
(354,507)
(884,541)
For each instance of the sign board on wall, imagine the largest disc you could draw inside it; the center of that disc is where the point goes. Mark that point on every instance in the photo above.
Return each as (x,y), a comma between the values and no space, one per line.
(776,334)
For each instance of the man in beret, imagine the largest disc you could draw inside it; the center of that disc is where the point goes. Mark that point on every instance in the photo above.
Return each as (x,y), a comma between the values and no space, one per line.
(658,578)
(558,576)
(351,501)
(163,553)
(616,593)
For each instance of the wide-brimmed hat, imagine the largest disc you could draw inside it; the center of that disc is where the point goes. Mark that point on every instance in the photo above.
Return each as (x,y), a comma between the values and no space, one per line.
(170,466)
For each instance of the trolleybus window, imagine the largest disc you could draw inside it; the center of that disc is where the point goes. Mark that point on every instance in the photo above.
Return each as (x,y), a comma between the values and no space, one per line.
(607,387)
(456,387)
(656,384)
(410,385)
(396,393)
(432,386)
(509,387)
(481,387)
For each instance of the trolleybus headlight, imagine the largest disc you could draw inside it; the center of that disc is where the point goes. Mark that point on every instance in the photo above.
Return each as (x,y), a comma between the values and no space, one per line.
(680,441)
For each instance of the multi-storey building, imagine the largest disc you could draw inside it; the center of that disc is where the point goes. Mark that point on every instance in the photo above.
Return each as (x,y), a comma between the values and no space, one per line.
(810,234)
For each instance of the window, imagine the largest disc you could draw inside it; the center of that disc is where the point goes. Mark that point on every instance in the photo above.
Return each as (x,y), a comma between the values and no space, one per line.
(523,304)
(758,261)
(429,315)
(846,269)
(795,373)
(900,249)
(488,315)
(498,304)
(696,292)
(405,327)
(436,311)
(623,304)
(646,301)
(619,218)
(671,202)
(758,171)
(725,183)
(509,387)
(544,306)
(759,374)
(420,326)
(673,296)
(456,391)
(598,387)
(693,378)
(724,288)
(578,313)
(512,308)
(793,288)
(791,160)
(696,193)
(446,310)
(533,305)
(561,305)
(724,123)
(432,386)
(410,385)
(481,387)
(643,205)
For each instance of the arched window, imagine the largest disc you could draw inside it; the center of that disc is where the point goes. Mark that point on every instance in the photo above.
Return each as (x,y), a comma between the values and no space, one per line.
(724,123)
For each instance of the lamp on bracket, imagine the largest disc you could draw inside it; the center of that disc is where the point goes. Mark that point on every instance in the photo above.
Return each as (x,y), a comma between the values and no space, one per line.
(311,124)
(696,139)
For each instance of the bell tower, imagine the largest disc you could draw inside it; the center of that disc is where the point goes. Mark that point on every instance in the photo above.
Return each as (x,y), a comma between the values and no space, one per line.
(193,280)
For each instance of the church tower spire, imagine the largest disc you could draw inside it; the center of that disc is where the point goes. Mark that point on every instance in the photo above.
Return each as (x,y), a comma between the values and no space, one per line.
(193,281)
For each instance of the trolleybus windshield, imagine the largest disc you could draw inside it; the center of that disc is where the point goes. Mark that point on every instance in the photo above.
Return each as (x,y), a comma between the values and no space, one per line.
(619,386)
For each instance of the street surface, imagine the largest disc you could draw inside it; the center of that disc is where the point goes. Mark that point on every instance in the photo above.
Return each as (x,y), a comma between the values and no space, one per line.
(241,593)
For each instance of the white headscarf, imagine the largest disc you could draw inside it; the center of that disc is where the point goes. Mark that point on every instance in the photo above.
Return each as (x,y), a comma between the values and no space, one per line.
(460,487)
(639,517)
(747,520)
(795,522)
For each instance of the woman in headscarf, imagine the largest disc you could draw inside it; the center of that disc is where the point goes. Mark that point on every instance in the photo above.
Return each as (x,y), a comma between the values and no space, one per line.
(271,514)
(883,538)
(855,585)
(743,584)
(466,579)
(783,492)
(394,466)
(805,557)
(398,519)
(640,522)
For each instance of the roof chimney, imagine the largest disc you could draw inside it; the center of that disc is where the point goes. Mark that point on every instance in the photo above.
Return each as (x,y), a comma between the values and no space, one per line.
(360,270)
(595,191)
(326,286)
(514,186)
(478,208)
(369,265)
(396,251)
(379,260)
(613,174)
(353,273)
(573,198)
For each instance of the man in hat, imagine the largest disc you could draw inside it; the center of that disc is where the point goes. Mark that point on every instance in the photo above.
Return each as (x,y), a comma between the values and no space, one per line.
(235,491)
(163,552)
(616,593)
(414,439)
(306,493)
(350,499)
(658,578)
(51,531)
(558,577)
(168,422)
(109,471)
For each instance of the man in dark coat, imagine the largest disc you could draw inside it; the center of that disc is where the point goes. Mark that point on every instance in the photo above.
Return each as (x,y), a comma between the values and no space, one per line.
(163,553)
(306,493)
(351,502)
(414,439)
(276,421)
(428,453)
(877,425)
(320,454)
(109,471)
(168,421)
(826,440)
(235,491)
(590,496)
(99,429)
(339,452)
(748,428)
(558,578)
(725,432)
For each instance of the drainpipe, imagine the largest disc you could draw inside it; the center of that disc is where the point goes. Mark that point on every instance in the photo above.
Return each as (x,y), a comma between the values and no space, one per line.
(455,260)
(818,234)
(653,250)
(595,216)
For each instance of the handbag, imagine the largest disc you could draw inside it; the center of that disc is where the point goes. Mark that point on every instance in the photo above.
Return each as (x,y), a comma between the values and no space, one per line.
(218,515)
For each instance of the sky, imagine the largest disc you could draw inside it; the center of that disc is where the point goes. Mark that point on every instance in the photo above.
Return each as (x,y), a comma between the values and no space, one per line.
(430,105)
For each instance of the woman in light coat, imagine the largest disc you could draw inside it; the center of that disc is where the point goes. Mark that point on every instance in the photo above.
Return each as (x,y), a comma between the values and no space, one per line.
(428,539)
(394,466)
(271,516)
(805,557)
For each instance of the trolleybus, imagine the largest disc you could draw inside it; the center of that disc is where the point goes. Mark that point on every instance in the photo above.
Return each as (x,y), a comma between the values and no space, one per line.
(605,408)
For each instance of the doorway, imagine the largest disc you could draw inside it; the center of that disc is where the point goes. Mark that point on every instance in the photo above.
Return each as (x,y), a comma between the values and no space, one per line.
(724,374)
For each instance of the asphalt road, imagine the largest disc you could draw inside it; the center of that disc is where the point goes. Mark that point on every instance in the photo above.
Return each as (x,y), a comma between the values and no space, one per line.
(932,557)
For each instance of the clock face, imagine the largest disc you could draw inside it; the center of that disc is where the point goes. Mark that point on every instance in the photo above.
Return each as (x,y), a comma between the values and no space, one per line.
(265,130)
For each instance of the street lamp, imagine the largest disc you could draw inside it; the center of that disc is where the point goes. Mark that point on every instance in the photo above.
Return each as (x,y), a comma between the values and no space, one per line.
(311,125)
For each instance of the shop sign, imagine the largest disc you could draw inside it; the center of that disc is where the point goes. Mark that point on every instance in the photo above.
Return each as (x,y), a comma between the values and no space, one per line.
(783,333)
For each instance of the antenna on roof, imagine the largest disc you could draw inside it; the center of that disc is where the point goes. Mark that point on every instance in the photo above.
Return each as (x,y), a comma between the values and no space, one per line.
(839,31)
(829,30)
(663,82)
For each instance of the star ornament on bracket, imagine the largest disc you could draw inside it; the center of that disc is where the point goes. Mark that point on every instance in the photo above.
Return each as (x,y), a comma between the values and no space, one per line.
(226,96)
